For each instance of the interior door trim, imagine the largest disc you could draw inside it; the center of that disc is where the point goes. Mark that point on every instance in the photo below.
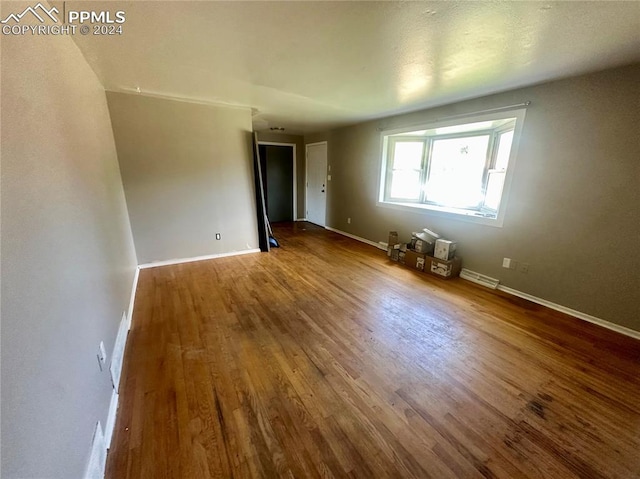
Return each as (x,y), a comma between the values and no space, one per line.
(306,173)
(295,177)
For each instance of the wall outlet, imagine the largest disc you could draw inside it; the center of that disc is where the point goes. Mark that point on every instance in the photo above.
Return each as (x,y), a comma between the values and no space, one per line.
(349,221)
(218,236)
(506,263)
(524,267)
(102,356)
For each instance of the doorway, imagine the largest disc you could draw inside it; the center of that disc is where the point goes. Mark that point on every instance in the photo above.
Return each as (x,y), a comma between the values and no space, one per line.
(316,196)
(278,164)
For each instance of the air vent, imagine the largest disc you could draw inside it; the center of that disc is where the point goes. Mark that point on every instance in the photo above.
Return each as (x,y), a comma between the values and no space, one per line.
(118,353)
(479,278)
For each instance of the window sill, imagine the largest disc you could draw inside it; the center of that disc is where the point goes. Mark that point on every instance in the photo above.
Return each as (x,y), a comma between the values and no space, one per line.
(443,212)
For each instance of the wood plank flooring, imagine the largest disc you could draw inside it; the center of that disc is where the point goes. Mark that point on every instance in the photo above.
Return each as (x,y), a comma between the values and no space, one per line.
(324,359)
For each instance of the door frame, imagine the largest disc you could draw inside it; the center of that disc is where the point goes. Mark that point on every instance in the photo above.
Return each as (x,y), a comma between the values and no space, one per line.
(306,176)
(295,178)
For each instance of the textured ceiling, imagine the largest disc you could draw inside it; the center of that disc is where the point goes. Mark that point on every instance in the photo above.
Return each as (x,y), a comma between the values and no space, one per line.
(309,66)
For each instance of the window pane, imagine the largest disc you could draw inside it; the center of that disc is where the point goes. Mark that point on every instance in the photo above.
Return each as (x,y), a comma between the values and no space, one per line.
(494,190)
(405,184)
(408,155)
(456,171)
(504,149)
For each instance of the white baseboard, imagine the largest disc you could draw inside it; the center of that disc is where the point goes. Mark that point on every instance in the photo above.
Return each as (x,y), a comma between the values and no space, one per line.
(98,458)
(196,258)
(111,419)
(301,219)
(357,238)
(102,440)
(572,312)
(132,300)
(117,356)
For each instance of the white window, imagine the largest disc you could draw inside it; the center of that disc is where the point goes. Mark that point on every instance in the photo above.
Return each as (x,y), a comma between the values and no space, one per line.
(461,168)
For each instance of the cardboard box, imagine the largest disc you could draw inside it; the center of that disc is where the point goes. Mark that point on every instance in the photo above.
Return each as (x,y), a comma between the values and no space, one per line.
(427,235)
(414,260)
(393,242)
(422,246)
(444,268)
(445,249)
(393,238)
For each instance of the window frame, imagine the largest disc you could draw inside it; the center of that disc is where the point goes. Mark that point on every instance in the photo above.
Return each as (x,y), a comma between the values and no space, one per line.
(448,136)
(481,215)
(390,169)
(493,159)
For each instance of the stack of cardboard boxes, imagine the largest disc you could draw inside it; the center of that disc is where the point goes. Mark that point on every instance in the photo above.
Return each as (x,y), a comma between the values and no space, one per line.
(426,252)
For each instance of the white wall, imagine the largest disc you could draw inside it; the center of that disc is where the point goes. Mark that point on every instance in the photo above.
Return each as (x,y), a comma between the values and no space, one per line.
(68,259)
(187,171)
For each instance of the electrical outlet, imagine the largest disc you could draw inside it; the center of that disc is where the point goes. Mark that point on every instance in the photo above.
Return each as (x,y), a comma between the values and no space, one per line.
(524,267)
(506,263)
(218,236)
(349,221)
(102,356)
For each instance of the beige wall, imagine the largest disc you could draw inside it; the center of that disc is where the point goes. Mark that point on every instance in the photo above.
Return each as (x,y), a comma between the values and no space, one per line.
(573,211)
(67,256)
(300,162)
(187,171)
(316,137)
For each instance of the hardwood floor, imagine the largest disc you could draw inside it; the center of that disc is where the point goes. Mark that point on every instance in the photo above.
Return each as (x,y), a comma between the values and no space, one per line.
(324,359)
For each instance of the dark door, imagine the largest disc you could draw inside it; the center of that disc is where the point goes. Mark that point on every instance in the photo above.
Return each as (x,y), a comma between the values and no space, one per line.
(278,179)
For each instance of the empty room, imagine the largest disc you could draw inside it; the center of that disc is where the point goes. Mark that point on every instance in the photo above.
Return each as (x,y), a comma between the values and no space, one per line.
(316,239)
